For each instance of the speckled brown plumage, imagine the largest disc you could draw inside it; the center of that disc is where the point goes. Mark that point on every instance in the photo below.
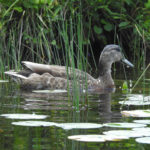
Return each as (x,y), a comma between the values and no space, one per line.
(40,76)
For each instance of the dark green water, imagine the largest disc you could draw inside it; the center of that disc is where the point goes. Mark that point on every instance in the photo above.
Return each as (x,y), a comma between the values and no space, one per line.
(101,109)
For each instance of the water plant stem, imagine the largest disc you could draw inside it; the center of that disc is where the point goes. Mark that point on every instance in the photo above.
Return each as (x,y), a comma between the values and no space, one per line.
(139,78)
(136,83)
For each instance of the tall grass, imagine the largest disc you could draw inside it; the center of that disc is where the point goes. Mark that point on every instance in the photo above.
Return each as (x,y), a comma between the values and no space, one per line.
(75,53)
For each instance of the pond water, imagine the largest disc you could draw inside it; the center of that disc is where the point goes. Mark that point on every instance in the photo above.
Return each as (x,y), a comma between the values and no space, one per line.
(49,121)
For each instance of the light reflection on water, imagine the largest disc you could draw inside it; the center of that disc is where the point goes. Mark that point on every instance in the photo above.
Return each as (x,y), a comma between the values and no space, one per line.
(102,108)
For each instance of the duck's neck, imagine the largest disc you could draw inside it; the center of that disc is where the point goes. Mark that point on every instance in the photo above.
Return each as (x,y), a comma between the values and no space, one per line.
(105,74)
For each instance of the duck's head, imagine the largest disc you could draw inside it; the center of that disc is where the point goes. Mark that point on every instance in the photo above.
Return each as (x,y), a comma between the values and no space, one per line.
(112,53)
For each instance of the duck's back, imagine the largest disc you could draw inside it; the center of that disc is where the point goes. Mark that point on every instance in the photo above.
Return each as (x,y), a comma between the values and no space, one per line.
(58,71)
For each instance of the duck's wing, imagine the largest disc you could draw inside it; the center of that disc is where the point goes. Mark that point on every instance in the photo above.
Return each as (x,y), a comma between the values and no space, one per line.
(43,68)
(58,71)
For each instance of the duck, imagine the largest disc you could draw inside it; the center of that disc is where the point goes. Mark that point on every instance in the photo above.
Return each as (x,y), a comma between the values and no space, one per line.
(42,76)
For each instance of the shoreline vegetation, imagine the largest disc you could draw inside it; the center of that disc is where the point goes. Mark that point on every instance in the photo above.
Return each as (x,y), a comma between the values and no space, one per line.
(71,32)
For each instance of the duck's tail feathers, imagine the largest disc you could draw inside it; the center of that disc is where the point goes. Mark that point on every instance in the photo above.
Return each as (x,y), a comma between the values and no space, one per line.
(15,76)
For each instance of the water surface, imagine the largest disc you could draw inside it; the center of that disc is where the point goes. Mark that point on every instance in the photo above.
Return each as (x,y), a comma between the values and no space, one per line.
(57,108)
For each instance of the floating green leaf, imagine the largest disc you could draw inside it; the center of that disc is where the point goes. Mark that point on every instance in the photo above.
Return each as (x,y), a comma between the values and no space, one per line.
(87,138)
(68,126)
(147,111)
(126,133)
(145,140)
(114,124)
(24,116)
(136,113)
(124,125)
(142,121)
(34,123)
(96,138)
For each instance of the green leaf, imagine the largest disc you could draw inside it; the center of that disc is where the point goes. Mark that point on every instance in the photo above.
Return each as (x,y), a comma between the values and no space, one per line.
(108,27)
(19,9)
(125,85)
(129,2)
(97,29)
(43,1)
(103,21)
(146,111)
(53,42)
(147,5)
(114,124)
(34,40)
(123,24)
(35,1)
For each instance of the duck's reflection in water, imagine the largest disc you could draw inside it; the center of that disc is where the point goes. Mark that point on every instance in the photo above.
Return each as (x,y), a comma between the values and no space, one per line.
(61,101)
(44,101)
(105,108)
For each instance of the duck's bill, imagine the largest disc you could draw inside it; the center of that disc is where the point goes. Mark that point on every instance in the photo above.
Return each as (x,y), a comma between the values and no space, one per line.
(127,62)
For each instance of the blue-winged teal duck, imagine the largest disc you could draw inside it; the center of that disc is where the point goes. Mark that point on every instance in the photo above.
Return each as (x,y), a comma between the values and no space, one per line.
(41,76)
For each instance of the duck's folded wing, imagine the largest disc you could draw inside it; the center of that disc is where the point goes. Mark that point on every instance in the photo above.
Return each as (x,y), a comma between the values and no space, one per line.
(58,71)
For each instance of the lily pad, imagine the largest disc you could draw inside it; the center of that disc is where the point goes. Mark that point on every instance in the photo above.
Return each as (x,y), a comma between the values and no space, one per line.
(144,140)
(87,138)
(66,126)
(126,133)
(124,125)
(136,113)
(135,97)
(135,103)
(34,123)
(145,129)
(69,126)
(142,121)
(50,91)
(96,138)
(137,100)
(114,137)
(24,116)
(3,81)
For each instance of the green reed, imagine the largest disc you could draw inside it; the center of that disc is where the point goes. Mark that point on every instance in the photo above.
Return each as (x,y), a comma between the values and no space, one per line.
(74,54)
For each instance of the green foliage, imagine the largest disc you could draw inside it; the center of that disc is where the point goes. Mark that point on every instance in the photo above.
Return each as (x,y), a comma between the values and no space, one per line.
(71,32)
(34,29)
(125,85)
